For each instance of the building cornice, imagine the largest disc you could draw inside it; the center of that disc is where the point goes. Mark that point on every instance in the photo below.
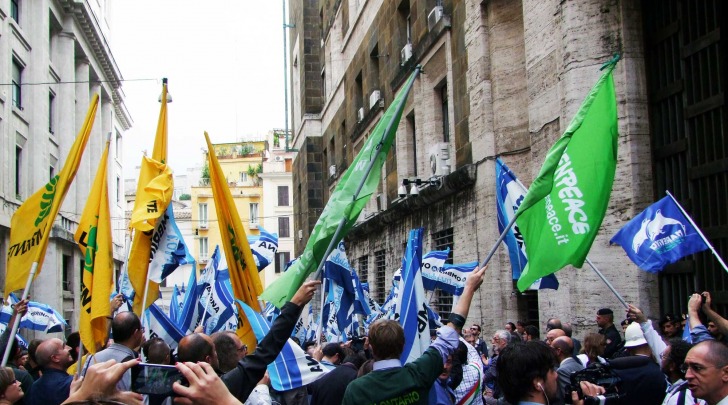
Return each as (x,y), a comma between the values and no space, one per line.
(91,29)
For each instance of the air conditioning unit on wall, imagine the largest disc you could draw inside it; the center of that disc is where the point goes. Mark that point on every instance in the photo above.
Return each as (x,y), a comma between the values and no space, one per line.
(440,159)
(406,53)
(374,98)
(434,17)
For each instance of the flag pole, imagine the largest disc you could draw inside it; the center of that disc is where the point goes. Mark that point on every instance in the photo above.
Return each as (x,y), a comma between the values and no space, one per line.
(710,245)
(599,273)
(363,181)
(319,332)
(500,239)
(207,306)
(14,330)
(144,306)
(80,360)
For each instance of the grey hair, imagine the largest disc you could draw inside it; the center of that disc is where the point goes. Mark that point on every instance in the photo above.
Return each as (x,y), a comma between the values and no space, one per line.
(503,334)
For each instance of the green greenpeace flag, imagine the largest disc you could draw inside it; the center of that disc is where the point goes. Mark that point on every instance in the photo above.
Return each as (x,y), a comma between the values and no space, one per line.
(561,214)
(342,203)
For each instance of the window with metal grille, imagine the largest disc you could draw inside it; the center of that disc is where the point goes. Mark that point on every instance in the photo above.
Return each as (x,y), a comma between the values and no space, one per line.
(283,196)
(442,301)
(363,263)
(282,258)
(686,82)
(284,227)
(380,276)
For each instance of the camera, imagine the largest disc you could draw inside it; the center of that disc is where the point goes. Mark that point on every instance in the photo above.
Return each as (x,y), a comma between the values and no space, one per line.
(357,343)
(598,374)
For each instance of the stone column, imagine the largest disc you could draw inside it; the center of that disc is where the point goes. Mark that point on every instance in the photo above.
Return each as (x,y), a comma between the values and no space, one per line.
(83,176)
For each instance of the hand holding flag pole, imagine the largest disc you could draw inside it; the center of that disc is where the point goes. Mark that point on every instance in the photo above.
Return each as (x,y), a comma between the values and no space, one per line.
(577,174)
(702,236)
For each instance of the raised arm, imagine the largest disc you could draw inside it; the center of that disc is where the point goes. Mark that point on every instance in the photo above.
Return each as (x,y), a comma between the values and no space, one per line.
(460,312)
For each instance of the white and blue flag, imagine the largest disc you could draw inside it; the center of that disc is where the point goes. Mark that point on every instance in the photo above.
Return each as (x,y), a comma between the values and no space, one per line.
(189,308)
(264,248)
(22,342)
(158,324)
(168,249)
(411,309)
(293,368)
(217,299)
(174,306)
(123,286)
(660,235)
(509,195)
(40,317)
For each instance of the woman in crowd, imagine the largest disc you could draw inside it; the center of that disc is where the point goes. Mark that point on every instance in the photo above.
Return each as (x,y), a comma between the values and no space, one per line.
(10,391)
(593,349)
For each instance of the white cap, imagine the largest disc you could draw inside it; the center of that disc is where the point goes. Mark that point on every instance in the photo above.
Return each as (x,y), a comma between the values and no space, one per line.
(633,336)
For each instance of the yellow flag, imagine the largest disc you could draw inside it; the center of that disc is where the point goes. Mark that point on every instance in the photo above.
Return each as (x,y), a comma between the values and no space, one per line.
(244,276)
(31,224)
(141,246)
(94,238)
(154,193)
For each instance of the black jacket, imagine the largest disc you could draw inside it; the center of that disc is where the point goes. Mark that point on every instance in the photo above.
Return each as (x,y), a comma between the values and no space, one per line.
(330,389)
(241,380)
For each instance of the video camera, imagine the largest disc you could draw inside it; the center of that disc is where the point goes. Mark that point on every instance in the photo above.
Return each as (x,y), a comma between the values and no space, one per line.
(598,374)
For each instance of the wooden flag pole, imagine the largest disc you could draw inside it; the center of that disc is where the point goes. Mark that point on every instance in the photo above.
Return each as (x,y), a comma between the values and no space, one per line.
(14,329)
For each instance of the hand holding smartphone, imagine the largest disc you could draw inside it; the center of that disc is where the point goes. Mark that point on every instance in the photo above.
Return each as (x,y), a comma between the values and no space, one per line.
(155,379)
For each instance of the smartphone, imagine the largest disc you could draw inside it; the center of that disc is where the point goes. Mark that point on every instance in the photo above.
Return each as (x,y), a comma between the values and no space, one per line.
(155,379)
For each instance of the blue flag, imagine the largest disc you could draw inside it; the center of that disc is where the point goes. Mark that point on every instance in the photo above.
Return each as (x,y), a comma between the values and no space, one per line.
(660,235)
(159,325)
(168,248)
(174,307)
(292,368)
(509,195)
(189,312)
(40,317)
(217,298)
(264,248)
(411,304)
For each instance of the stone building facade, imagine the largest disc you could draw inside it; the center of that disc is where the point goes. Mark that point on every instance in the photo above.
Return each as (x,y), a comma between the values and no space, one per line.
(55,56)
(504,78)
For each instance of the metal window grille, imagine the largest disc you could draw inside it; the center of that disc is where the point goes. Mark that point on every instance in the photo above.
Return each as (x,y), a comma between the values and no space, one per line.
(686,87)
(364,268)
(380,277)
(442,301)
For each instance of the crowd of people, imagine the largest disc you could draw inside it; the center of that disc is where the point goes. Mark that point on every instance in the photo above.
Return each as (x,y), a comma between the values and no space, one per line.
(639,365)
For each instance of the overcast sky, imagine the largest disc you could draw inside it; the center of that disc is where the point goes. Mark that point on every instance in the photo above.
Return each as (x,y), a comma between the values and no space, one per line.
(224,62)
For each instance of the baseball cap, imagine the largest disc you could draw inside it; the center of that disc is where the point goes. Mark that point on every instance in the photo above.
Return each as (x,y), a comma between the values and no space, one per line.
(633,336)
(667,318)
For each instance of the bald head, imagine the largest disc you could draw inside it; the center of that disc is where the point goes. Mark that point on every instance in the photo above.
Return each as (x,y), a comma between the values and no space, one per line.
(197,347)
(53,353)
(553,334)
(563,346)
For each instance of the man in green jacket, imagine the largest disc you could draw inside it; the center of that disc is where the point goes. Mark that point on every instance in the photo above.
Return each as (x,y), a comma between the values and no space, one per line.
(392,383)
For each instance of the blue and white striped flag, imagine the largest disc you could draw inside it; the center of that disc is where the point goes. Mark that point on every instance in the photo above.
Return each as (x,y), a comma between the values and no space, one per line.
(124,287)
(168,248)
(189,311)
(217,299)
(293,368)
(411,309)
(22,342)
(40,317)
(264,248)
(174,307)
(157,324)
(450,277)
(509,195)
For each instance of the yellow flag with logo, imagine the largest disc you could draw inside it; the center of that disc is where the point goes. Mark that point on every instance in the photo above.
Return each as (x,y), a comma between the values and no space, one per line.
(94,239)
(154,193)
(30,226)
(244,276)
(141,246)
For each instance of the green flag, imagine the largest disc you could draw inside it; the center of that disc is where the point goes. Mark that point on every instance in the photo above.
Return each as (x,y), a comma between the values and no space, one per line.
(342,204)
(561,214)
